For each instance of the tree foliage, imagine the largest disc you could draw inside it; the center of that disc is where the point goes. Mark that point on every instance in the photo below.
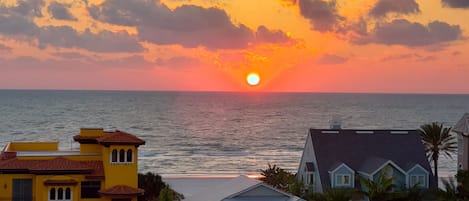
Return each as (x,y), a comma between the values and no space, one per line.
(153,185)
(379,190)
(280,179)
(437,140)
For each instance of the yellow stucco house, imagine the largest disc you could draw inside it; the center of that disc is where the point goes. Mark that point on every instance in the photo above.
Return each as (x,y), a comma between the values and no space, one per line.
(105,168)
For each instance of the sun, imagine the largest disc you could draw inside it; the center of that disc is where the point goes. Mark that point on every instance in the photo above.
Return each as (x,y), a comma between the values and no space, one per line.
(253,79)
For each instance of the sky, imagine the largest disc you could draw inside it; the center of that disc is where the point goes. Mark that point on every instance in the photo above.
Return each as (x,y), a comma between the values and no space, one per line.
(362,46)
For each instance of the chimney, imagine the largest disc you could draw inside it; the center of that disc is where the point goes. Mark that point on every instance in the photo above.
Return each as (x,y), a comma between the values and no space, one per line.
(336,122)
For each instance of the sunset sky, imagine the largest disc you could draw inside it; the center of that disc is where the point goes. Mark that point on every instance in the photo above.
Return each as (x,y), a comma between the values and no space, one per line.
(385,46)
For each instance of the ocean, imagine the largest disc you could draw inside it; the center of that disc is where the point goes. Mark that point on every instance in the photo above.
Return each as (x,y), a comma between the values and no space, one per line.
(216,133)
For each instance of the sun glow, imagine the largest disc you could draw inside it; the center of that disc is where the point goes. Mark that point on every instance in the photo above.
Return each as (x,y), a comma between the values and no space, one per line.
(253,79)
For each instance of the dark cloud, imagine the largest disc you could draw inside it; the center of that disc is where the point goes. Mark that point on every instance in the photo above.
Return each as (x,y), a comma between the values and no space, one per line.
(322,14)
(27,8)
(403,32)
(331,59)
(104,41)
(16,24)
(188,25)
(60,11)
(456,3)
(265,35)
(401,57)
(383,7)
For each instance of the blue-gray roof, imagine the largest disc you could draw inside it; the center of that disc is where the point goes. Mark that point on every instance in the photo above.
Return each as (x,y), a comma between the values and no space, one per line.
(367,150)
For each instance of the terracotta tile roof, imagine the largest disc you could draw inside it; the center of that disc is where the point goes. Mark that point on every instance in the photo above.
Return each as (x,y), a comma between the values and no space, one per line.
(85,139)
(58,164)
(122,190)
(15,164)
(92,169)
(119,138)
(53,182)
(98,169)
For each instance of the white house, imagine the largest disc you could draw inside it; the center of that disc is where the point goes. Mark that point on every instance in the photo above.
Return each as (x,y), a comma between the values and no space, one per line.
(241,188)
(462,129)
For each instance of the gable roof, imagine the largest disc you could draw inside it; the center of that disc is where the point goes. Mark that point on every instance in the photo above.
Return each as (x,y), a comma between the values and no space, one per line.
(462,126)
(366,150)
(232,188)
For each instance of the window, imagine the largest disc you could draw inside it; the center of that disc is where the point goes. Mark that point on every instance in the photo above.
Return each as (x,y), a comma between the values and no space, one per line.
(60,194)
(129,155)
(89,189)
(68,194)
(342,180)
(310,178)
(52,194)
(114,156)
(417,180)
(122,156)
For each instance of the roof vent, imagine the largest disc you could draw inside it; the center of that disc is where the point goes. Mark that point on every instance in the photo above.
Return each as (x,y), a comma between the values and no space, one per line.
(399,132)
(364,132)
(336,122)
(330,132)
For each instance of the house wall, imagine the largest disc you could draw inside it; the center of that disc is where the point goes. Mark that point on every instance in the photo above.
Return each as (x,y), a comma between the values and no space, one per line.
(120,173)
(6,184)
(309,156)
(418,171)
(463,149)
(32,146)
(342,170)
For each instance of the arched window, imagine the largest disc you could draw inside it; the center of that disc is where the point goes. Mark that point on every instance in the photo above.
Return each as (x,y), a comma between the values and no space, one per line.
(60,194)
(52,194)
(122,156)
(68,194)
(129,155)
(114,156)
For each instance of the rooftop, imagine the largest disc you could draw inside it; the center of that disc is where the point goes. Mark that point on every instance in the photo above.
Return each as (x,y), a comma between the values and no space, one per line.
(366,150)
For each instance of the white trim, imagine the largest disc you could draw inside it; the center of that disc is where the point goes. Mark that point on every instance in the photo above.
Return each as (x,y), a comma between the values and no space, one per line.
(364,173)
(387,163)
(333,176)
(426,176)
(336,183)
(425,180)
(56,189)
(417,166)
(338,167)
(256,186)
(125,156)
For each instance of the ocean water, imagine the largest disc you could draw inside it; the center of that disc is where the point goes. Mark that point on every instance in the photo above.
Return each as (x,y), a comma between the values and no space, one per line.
(189,133)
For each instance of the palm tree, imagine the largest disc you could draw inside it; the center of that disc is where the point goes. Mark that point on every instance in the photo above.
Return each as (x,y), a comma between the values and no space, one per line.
(277,177)
(437,140)
(378,190)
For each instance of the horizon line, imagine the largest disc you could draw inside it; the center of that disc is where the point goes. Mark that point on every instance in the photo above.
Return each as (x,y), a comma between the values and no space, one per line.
(235,91)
